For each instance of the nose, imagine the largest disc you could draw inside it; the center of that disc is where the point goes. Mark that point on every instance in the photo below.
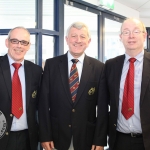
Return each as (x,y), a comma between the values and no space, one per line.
(78,39)
(131,34)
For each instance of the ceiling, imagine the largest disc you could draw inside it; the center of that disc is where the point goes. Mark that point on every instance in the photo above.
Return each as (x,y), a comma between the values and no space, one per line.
(143,6)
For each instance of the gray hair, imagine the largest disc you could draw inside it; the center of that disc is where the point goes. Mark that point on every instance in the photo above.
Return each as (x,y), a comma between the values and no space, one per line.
(78,25)
(19,27)
(143,26)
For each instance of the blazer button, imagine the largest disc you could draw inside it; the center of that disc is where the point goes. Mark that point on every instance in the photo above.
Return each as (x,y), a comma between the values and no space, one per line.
(6,133)
(73,110)
(11,115)
(115,125)
(69,126)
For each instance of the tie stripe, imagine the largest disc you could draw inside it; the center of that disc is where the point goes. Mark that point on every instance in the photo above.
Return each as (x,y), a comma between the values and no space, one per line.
(128,96)
(74,80)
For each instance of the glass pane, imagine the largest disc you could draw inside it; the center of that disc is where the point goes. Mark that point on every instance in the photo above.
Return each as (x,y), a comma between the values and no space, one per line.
(17,13)
(74,14)
(30,55)
(48,14)
(113,46)
(47,49)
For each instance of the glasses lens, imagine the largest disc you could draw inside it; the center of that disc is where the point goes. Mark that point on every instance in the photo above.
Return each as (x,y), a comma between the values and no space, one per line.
(14,41)
(24,43)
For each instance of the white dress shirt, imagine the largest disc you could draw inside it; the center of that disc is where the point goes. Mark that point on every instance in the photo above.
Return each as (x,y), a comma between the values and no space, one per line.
(133,124)
(21,123)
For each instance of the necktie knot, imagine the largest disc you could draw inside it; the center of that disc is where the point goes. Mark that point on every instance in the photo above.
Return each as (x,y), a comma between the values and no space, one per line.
(16,65)
(74,61)
(132,60)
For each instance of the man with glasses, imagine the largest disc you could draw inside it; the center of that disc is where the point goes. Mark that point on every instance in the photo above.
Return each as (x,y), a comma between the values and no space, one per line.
(128,82)
(19,85)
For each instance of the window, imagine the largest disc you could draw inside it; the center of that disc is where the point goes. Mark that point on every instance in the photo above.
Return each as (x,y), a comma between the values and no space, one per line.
(73,14)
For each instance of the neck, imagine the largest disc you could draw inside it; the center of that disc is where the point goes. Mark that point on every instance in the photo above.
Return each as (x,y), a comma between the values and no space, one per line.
(133,53)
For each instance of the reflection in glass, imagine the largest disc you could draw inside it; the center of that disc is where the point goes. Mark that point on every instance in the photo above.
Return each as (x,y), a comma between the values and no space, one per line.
(48,14)
(113,46)
(17,13)
(73,14)
(47,49)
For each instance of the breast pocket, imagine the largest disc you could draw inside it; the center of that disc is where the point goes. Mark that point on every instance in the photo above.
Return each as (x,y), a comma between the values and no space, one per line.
(34,93)
(92,88)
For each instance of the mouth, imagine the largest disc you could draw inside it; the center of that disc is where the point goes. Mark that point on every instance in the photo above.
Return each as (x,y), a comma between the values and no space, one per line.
(131,42)
(76,45)
(18,50)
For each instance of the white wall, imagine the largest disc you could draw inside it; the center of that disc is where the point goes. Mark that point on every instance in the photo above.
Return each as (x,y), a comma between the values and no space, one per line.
(146,21)
(125,11)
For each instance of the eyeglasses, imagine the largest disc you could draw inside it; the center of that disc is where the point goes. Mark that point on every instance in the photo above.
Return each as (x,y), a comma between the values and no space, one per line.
(15,41)
(134,32)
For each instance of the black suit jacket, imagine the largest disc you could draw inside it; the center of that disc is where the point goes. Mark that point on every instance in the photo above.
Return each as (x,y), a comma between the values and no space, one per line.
(60,119)
(32,79)
(113,70)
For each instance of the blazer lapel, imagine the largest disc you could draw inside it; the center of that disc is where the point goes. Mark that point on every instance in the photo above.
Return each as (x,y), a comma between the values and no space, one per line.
(63,67)
(28,76)
(118,72)
(7,74)
(145,75)
(86,71)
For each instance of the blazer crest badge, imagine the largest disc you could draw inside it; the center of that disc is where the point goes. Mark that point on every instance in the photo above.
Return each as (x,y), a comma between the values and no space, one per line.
(34,94)
(91,91)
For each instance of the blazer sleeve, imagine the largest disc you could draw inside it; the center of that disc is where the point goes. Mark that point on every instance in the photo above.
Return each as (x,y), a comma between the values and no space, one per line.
(43,107)
(100,138)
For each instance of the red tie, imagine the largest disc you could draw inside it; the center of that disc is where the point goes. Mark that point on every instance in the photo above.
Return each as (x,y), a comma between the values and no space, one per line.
(17,108)
(128,95)
(74,79)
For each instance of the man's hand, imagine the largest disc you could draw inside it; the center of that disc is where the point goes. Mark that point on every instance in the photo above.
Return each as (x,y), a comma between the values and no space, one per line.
(94,147)
(48,145)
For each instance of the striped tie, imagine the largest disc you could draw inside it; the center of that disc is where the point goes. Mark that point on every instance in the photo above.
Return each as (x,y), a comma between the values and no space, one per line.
(74,79)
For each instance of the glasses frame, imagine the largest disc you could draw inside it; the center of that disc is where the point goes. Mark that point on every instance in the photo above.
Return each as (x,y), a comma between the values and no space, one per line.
(128,32)
(21,42)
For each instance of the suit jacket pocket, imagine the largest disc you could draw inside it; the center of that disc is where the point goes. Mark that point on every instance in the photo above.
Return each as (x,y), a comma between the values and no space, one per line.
(54,122)
(91,90)
(90,133)
(34,93)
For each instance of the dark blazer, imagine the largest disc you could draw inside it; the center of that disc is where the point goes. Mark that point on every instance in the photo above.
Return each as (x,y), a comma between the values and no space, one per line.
(113,70)
(32,79)
(60,119)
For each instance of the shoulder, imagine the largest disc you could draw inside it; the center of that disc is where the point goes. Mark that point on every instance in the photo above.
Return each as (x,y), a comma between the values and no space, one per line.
(56,60)
(31,64)
(115,59)
(93,61)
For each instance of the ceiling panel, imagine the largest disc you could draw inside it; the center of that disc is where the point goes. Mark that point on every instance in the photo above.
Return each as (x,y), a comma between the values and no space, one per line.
(135,4)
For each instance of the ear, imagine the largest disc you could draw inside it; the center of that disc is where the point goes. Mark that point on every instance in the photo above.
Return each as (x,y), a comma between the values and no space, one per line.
(120,37)
(7,43)
(89,41)
(66,39)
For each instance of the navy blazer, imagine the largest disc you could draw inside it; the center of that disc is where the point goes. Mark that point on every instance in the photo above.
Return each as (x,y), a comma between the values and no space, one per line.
(33,75)
(60,119)
(113,70)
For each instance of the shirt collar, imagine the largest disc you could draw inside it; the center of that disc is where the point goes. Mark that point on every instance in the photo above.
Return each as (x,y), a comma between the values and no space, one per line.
(11,61)
(81,58)
(139,57)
